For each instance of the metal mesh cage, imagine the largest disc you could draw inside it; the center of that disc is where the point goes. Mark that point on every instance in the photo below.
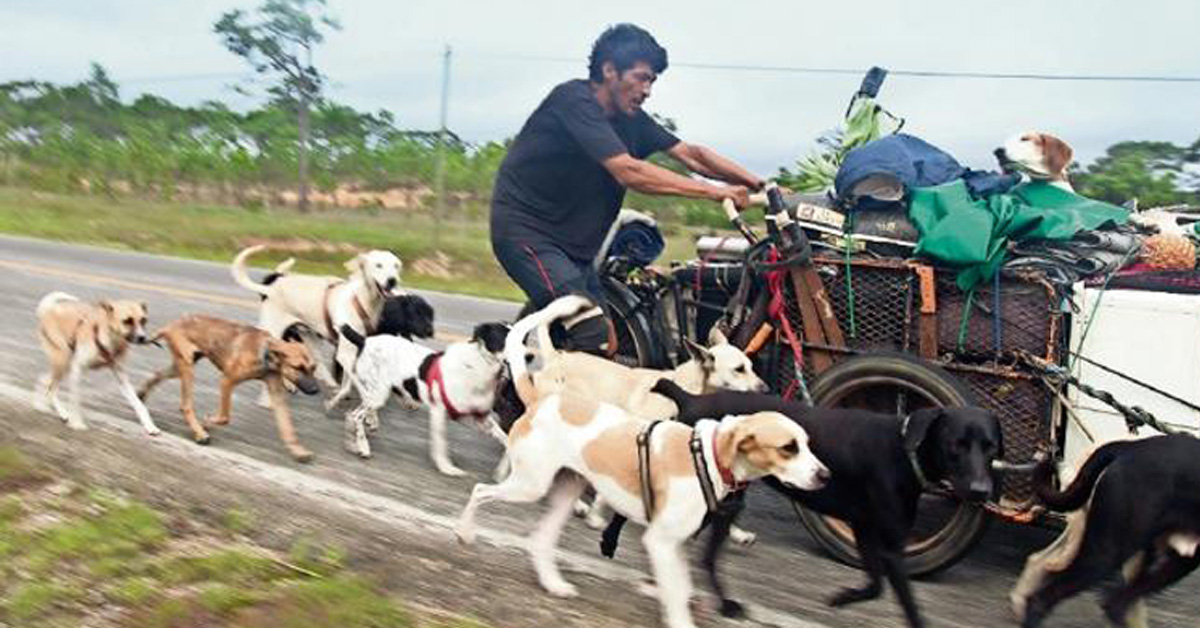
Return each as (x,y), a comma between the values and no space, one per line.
(886,299)
(1024,407)
(1028,319)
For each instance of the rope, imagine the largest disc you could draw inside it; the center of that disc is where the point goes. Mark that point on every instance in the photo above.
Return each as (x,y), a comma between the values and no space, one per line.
(1135,416)
(966,318)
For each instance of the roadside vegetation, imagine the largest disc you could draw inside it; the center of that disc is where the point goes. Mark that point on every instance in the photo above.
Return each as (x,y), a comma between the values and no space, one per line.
(72,554)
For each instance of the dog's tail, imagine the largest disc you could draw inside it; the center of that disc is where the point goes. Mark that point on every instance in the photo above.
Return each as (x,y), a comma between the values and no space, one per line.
(243,278)
(52,299)
(514,342)
(353,336)
(1080,490)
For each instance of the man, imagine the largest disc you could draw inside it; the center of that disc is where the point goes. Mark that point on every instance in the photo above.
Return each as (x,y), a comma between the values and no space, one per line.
(561,185)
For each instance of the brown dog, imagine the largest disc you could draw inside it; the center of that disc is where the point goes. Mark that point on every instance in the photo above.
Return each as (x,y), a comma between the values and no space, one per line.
(241,353)
(77,336)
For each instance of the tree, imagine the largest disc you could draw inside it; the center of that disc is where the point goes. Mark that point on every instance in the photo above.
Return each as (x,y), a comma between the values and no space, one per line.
(1148,171)
(278,41)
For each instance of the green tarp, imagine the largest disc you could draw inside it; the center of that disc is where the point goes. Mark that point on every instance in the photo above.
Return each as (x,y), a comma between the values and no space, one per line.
(973,235)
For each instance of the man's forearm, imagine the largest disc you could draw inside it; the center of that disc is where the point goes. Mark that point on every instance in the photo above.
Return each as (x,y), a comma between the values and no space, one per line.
(648,178)
(709,163)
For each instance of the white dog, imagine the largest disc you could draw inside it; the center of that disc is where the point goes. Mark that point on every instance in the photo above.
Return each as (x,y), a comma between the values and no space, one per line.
(77,336)
(1039,156)
(720,366)
(457,383)
(324,304)
(598,442)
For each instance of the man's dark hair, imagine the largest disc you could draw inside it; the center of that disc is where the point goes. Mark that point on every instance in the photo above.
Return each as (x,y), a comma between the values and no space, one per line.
(625,45)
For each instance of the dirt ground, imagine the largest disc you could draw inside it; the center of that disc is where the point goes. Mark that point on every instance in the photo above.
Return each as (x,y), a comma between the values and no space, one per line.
(422,565)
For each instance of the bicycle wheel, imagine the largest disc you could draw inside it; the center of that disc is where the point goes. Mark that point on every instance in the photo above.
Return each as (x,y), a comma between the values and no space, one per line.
(635,336)
(946,528)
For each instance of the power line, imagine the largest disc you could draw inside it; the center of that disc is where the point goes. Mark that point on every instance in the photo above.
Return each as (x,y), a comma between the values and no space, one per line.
(774,69)
(783,69)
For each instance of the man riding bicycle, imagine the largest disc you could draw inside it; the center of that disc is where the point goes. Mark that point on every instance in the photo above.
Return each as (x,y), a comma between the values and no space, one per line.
(562,183)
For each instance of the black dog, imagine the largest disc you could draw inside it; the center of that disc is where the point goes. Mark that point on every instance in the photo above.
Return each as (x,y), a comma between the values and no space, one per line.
(878,466)
(408,316)
(1144,499)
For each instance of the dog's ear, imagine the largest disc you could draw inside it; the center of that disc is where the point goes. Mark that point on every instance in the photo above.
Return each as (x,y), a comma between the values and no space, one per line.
(716,338)
(730,441)
(108,307)
(355,263)
(145,308)
(1057,154)
(916,426)
(700,354)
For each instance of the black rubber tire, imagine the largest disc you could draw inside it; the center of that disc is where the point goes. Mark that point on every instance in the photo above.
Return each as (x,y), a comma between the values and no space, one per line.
(932,386)
(636,345)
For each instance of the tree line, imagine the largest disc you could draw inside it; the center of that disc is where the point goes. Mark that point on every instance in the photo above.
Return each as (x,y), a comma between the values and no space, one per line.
(84,136)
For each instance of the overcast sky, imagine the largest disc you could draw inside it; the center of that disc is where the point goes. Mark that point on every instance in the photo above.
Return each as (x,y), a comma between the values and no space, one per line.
(388,56)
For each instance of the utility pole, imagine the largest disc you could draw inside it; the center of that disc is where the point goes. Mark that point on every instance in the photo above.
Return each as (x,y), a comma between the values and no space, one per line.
(441,152)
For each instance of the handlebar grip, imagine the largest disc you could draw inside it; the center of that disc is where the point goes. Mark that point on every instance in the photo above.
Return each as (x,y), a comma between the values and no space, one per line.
(775,200)
(731,210)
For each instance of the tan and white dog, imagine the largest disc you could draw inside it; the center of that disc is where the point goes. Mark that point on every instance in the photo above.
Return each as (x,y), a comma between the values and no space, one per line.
(324,304)
(598,442)
(75,336)
(1039,156)
(720,366)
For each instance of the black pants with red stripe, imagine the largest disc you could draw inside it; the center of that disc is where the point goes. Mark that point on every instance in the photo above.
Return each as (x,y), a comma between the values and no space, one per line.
(545,272)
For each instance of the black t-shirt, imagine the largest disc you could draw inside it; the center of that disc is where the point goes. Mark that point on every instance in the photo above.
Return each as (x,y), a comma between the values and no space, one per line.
(552,185)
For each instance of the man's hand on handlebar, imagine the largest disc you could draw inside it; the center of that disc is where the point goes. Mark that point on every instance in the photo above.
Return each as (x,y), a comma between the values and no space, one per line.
(739,194)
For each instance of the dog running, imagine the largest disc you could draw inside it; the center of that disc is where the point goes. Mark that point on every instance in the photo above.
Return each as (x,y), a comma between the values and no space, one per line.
(1137,507)
(241,353)
(79,336)
(455,384)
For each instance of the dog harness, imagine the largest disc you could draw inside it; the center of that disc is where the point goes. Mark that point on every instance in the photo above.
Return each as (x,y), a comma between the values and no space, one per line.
(359,309)
(706,484)
(433,378)
(696,446)
(643,450)
(912,453)
(105,354)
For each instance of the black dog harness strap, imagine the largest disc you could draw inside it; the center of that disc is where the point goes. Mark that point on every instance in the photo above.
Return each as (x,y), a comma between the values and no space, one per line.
(643,448)
(696,445)
(912,453)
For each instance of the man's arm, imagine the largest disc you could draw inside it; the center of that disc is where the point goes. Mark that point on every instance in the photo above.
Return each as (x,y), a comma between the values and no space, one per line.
(707,162)
(648,178)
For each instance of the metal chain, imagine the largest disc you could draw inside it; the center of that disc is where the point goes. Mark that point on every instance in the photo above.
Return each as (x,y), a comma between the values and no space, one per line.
(1135,416)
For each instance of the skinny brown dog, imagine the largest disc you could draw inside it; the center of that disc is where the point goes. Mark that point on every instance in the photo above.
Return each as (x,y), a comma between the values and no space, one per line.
(241,353)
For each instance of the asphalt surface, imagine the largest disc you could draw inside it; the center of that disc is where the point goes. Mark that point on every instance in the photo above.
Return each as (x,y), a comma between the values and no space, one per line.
(784,578)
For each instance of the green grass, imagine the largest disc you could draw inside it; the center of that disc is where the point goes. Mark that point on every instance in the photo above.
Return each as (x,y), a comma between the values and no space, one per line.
(217,233)
(91,551)
(318,239)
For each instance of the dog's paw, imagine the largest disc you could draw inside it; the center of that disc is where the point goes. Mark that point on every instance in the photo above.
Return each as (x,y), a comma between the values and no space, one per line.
(647,587)
(450,470)
(301,455)
(216,421)
(731,609)
(153,431)
(595,520)
(742,537)
(851,595)
(76,423)
(465,534)
(560,588)
(202,440)
(581,508)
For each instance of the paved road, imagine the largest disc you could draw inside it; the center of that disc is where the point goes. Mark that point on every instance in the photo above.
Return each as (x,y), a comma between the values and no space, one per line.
(784,577)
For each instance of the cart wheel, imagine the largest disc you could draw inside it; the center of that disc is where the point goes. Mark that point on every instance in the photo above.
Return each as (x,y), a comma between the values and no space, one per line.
(946,528)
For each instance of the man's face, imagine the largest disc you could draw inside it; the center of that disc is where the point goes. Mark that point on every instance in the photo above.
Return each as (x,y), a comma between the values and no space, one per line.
(631,88)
